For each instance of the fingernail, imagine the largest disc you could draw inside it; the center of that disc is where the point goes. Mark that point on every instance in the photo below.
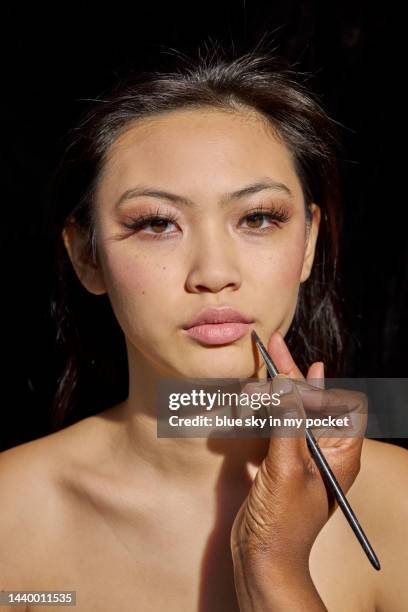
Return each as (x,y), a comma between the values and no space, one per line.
(283,385)
(322,362)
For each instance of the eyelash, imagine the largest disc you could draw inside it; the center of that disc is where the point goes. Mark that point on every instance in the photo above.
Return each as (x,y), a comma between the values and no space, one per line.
(274,213)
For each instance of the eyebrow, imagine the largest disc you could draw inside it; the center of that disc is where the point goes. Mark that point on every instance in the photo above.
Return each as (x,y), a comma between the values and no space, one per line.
(143,190)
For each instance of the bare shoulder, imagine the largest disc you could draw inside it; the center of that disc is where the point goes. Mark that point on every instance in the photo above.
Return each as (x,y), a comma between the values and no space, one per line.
(34,487)
(377,451)
(381,491)
(339,566)
(383,476)
(380,499)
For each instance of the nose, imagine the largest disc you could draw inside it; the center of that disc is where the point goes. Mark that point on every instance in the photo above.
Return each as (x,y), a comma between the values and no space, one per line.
(214,263)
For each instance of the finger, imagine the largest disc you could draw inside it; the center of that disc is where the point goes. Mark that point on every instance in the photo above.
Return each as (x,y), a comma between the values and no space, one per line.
(286,448)
(315,374)
(280,354)
(315,377)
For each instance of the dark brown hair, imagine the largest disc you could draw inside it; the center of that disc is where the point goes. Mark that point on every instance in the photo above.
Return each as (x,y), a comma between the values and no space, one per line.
(92,351)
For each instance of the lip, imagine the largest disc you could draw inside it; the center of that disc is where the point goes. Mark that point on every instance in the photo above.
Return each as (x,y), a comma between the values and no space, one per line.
(224,314)
(218,333)
(218,325)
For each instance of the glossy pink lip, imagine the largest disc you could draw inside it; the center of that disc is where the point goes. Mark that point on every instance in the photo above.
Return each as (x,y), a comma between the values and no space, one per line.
(218,333)
(218,325)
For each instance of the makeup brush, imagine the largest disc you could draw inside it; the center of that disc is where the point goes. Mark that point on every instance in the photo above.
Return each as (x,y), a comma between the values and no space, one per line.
(325,470)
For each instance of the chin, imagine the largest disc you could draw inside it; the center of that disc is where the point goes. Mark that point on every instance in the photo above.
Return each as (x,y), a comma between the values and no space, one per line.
(222,370)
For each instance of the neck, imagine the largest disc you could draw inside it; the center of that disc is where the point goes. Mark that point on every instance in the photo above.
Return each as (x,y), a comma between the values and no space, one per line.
(189,460)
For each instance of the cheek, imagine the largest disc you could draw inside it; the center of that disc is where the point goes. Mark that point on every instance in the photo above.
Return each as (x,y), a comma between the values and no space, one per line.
(276,273)
(136,286)
(280,266)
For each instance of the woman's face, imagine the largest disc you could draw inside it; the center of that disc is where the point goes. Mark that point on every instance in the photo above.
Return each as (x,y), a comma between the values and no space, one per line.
(211,252)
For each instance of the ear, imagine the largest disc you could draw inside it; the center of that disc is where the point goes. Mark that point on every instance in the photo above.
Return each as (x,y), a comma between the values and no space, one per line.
(88,271)
(311,240)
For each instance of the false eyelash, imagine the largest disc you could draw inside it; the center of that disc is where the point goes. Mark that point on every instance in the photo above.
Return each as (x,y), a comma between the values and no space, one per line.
(146,219)
(278,213)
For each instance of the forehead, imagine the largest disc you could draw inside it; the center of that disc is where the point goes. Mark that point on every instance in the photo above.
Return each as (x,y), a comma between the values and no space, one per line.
(197,149)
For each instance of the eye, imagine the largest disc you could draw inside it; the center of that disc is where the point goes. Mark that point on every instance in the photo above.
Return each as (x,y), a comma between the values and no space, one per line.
(158,223)
(256,216)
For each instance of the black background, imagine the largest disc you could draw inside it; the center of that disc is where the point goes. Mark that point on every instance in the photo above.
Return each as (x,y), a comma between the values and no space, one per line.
(53,60)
